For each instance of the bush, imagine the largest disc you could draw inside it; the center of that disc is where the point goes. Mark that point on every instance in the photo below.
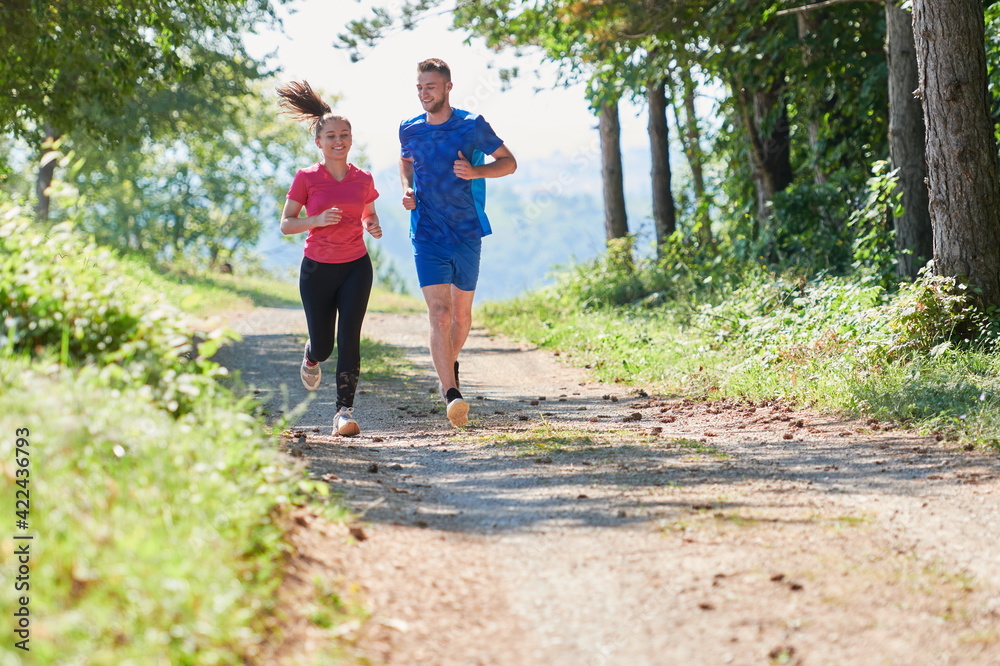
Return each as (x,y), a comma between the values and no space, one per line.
(684,273)
(931,315)
(70,301)
(787,314)
(610,279)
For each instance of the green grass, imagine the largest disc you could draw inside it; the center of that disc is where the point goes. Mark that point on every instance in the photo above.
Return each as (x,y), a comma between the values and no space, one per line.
(701,448)
(384,362)
(387,301)
(203,294)
(547,439)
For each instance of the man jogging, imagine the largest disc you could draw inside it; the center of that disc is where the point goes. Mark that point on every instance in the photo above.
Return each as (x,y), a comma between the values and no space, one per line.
(441,167)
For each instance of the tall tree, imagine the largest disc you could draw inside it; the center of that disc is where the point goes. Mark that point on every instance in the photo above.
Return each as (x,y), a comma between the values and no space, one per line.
(807,26)
(962,170)
(689,133)
(664,214)
(615,219)
(907,149)
(764,113)
(753,55)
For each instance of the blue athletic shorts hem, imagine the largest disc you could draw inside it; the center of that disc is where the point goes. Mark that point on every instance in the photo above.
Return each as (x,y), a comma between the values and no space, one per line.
(448,263)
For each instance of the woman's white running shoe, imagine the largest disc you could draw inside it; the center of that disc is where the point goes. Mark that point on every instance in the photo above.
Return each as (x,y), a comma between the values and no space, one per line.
(344,423)
(310,374)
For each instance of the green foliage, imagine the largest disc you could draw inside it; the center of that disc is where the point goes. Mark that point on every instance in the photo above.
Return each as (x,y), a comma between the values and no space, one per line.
(871,225)
(993,60)
(611,279)
(931,315)
(783,316)
(204,294)
(685,271)
(79,65)
(201,192)
(833,136)
(62,298)
(808,229)
(833,227)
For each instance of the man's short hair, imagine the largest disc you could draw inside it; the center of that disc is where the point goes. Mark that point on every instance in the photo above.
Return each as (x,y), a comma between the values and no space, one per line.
(435,65)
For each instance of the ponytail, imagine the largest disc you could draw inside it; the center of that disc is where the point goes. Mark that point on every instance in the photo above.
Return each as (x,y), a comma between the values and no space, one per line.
(301,102)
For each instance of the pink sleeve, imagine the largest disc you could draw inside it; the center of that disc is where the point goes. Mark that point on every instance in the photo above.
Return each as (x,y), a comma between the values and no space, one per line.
(298,191)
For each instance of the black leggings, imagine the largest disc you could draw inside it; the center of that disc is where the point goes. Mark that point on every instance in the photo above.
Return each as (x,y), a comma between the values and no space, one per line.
(328,290)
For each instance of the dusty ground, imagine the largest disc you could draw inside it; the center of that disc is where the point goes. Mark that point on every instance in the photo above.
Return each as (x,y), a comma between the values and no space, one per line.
(576,523)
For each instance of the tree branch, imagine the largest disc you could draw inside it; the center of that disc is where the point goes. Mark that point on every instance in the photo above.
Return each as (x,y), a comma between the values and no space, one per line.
(817,5)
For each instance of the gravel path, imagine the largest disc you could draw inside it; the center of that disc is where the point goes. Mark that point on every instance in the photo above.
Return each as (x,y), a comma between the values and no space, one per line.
(576,523)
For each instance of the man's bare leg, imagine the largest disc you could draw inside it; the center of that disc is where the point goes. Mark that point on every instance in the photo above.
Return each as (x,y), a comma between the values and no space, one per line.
(461,323)
(450,313)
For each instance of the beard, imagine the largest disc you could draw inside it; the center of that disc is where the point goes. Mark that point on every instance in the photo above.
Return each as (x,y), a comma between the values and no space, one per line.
(435,106)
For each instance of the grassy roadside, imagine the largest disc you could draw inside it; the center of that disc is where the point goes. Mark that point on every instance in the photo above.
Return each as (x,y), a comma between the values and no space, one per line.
(158,505)
(203,296)
(920,355)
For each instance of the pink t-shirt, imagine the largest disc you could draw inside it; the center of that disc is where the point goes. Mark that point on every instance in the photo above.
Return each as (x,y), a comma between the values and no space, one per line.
(316,189)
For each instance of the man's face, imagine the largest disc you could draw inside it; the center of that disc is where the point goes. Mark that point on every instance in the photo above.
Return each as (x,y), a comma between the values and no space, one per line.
(432,90)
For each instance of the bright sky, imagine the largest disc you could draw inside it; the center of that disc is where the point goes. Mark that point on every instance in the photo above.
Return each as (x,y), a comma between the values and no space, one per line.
(534,118)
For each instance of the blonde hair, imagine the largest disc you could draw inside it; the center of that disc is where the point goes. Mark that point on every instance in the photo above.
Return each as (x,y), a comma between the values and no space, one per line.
(435,65)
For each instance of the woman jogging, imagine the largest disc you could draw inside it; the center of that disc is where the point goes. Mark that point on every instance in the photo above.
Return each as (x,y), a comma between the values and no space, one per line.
(336,275)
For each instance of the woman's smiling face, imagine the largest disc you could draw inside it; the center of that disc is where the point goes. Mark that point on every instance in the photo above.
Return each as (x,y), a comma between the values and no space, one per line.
(335,139)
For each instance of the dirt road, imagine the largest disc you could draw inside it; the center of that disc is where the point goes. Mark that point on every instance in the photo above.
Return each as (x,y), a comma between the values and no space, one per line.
(576,523)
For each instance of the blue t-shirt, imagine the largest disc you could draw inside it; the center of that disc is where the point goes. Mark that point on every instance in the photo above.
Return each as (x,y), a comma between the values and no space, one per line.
(449,209)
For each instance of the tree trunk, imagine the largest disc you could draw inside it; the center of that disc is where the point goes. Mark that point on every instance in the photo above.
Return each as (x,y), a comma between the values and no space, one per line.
(664,214)
(690,136)
(964,191)
(765,118)
(914,237)
(615,220)
(807,24)
(46,174)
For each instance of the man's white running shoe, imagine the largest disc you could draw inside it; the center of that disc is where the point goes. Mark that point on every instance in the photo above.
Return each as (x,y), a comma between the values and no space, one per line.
(310,374)
(344,423)
(458,412)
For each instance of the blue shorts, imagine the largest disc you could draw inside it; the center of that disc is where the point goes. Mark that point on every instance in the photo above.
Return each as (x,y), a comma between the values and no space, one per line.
(447,263)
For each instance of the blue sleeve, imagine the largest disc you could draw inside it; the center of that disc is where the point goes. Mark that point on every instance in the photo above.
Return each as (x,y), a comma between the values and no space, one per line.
(403,143)
(486,139)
